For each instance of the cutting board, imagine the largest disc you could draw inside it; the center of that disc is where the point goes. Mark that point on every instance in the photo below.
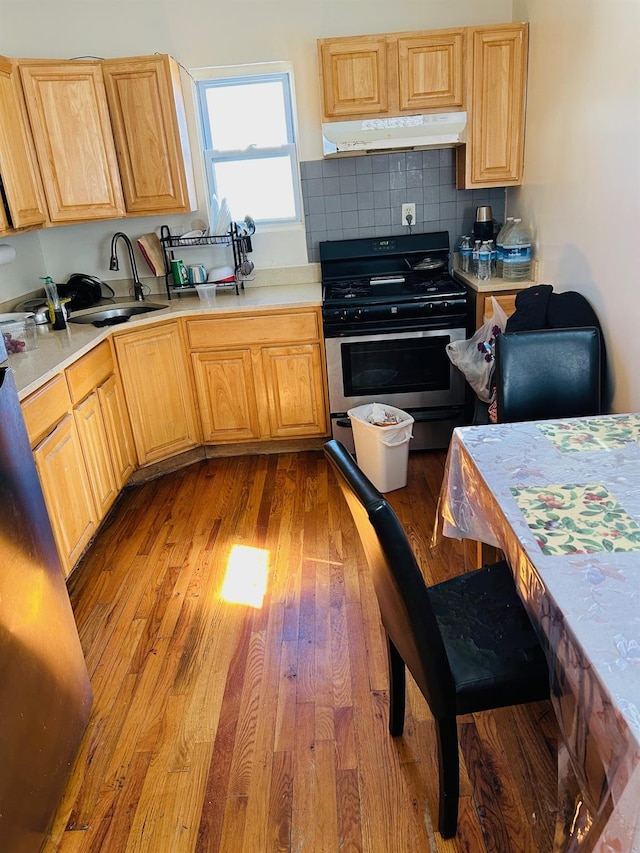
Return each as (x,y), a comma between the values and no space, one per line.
(150,246)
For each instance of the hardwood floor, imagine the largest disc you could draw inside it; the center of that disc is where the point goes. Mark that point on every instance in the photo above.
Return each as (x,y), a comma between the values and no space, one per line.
(221,726)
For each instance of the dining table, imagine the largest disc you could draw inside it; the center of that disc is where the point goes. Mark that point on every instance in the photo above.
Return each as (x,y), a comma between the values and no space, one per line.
(561,500)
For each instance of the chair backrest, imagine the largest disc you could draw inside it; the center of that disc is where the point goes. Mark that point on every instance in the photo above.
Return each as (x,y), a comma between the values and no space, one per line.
(400,588)
(548,373)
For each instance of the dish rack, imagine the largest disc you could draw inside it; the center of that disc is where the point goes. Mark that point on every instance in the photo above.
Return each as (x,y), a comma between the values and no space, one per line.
(237,237)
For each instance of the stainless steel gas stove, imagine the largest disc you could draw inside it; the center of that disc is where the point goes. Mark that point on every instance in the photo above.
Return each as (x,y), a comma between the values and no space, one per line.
(390,307)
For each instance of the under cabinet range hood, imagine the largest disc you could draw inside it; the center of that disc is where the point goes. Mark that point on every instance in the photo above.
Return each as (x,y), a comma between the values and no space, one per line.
(441,130)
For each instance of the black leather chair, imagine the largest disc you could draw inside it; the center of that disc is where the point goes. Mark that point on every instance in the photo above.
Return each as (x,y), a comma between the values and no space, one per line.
(468,642)
(548,373)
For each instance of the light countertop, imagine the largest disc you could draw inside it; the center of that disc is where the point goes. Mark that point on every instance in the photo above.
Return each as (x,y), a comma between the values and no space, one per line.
(492,285)
(58,349)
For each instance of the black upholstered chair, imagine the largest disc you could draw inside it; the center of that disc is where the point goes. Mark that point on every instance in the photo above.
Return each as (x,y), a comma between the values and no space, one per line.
(468,641)
(548,373)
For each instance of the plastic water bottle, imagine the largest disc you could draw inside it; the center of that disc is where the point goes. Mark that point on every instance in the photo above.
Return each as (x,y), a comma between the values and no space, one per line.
(494,257)
(484,262)
(516,258)
(466,253)
(500,244)
(475,255)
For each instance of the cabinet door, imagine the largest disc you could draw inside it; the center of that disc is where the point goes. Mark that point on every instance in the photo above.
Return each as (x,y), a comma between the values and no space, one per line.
(431,70)
(119,435)
(157,391)
(226,395)
(97,457)
(149,126)
(67,108)
(354,76)
(494,152)
(18,165)
(67,491)
(293,381)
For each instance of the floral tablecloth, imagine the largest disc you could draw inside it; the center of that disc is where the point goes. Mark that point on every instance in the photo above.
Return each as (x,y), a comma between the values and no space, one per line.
(561,499)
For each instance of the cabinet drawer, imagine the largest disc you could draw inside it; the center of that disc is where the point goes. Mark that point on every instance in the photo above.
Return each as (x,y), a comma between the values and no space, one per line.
(89,371)
(246,330)
(507,301)
(45,408)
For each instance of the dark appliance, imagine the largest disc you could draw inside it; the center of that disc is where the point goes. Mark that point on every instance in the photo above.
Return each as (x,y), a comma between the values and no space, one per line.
(389,308)
(83,291)
(46,696)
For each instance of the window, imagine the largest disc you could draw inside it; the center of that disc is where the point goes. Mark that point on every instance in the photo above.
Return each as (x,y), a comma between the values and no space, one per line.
(249,146)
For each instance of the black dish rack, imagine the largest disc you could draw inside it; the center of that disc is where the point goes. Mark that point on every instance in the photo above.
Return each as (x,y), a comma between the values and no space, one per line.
(238,237)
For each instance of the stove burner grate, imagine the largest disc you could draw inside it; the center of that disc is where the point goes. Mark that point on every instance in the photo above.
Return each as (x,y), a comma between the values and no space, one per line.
(350,289)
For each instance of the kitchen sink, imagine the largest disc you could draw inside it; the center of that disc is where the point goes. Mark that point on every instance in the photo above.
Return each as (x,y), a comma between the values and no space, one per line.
(116,314)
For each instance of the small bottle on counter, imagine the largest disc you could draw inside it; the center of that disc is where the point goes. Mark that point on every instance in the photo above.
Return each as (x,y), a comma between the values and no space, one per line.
(466,253)
(56,314)
(475,256)
(484,262)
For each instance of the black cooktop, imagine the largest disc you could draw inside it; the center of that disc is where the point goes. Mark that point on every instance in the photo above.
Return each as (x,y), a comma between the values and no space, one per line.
(387,269)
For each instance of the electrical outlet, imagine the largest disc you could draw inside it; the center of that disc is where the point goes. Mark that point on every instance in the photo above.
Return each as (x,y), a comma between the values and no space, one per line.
(409,209)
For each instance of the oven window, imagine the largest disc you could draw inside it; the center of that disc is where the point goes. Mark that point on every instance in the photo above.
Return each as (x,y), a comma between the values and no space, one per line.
(396,366)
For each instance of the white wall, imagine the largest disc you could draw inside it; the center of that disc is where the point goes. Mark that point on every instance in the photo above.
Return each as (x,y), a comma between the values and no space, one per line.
(581,192)
(199,33)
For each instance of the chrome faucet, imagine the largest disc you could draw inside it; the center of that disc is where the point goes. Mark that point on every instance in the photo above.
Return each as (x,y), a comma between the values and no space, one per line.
(138,293)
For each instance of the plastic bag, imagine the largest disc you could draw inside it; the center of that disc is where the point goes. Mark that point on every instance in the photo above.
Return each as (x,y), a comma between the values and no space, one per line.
(475,356)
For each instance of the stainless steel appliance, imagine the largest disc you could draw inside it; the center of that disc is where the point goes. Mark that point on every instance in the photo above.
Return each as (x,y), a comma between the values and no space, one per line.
(390,308)
(45,695)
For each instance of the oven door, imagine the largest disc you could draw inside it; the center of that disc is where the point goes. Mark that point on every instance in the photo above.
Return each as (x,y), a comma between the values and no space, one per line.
(409,370)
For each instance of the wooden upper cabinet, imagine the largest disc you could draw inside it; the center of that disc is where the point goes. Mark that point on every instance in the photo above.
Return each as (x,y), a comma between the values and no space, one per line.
(354,76)
(431,70)
(149,126)
(392,74)
(18,164)
(67,108)
(494,153)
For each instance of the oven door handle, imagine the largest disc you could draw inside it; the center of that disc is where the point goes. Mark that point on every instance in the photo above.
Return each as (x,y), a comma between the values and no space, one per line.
(422,416)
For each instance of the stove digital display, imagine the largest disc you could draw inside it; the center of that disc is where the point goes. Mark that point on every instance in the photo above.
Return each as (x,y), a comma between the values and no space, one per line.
(385,245)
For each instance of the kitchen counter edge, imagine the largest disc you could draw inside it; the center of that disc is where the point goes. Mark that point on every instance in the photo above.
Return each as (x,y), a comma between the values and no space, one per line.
(58,349)
(491,285)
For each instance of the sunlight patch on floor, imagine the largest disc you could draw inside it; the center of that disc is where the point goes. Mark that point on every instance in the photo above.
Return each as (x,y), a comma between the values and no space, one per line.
(247,574)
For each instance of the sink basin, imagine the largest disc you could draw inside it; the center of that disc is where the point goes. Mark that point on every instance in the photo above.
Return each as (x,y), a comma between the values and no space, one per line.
(116,314)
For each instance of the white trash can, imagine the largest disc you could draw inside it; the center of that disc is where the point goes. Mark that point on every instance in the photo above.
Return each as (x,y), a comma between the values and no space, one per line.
(381,435)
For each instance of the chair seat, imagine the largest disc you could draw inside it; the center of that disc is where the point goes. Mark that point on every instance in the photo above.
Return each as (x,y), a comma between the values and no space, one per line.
(493,650)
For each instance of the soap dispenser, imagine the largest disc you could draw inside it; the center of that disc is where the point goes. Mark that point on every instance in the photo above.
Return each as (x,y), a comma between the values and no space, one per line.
(53,300)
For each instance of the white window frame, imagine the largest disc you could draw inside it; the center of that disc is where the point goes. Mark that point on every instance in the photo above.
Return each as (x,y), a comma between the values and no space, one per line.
(242,76)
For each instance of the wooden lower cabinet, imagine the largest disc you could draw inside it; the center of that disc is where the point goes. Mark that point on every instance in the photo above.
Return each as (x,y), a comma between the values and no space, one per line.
(264,379)
(118,429)
(226,395)
(103,423)
(157,388)
(97,455)
(67,491)
(294,390)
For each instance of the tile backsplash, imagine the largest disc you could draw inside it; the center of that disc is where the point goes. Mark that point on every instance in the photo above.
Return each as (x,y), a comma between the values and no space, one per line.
(362,196)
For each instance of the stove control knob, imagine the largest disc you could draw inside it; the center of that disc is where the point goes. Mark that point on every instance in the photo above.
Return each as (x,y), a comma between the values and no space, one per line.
(359,314)
(445,307)
(428,307)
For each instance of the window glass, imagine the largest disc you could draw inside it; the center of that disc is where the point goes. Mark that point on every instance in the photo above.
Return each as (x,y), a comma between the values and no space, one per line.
(249,146)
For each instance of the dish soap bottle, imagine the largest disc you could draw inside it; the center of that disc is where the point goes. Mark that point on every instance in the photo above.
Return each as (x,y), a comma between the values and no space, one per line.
(56,314)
